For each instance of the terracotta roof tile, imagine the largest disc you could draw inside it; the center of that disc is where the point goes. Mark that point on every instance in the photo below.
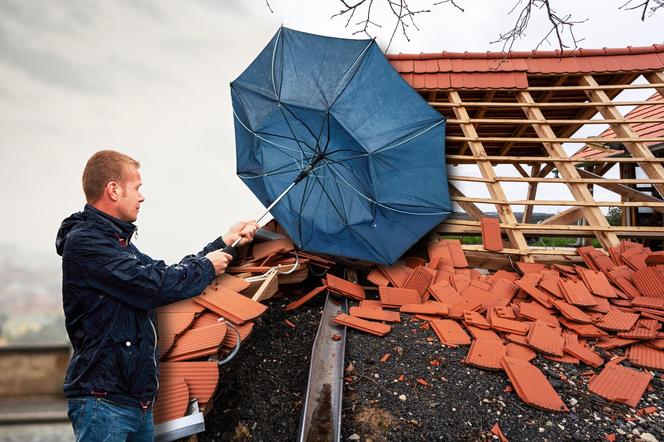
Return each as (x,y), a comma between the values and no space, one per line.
(445,293)
(450,332)
(345,288)
(534,311)
(377,277)
(649,302)
(173,399)
(397,274)
(620,384)
(232,282)
(440,250)
(231,305)
(419,280)
(505,312)
(172,324)
(504,289)
(646,356)
(617,320)
(634,257)
(531,385)
(585,354)
(597,283)
(503,274)
(375,314)
(564,359)
(456,253)
(201,377)
(304,299)
(456,311)
(197,342)
(552,286)
(603,305)
(475,319)
(185,306)
(608,343)
(429,308)
(486,355)
(491,239)
(374,328)
(473,293)
(264,249)
(371,303)
(583,330)
(571,312)
(623,284)
(649,282)
(643,329)
(396,297)
(519,351)
(508,325)
(535,293)
(530,267)
(484,335)
(546,339)
(230,340)
(576,293)
(460,281)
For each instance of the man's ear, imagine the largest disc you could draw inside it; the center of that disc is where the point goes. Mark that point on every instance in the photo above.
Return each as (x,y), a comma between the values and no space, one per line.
(113,190)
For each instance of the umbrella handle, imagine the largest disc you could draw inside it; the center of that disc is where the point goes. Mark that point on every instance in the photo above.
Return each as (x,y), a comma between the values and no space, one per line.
(231,251)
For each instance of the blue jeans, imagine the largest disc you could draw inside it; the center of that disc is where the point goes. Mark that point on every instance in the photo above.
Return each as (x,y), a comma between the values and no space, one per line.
(96,420)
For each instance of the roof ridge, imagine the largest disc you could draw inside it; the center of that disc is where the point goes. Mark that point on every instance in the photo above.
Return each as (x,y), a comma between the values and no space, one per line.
(580,52)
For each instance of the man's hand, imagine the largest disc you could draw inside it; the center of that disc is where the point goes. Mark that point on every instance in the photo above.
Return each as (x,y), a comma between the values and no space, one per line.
(219,260)
(245,230)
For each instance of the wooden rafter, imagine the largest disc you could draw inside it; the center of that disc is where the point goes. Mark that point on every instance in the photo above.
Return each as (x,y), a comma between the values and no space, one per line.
(470,208)
(593,214)
(504,210)
(623,130)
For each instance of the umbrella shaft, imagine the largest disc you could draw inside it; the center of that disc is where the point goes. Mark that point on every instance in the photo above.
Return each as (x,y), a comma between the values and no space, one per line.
(274,203)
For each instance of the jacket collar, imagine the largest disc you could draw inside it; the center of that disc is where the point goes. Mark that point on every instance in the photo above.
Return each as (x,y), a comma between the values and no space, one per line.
(123,229)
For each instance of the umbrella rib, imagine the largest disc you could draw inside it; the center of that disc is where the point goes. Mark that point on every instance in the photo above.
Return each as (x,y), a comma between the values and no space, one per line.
(336,209)
(385,206)
(283,105)
(360,56)
(302,203)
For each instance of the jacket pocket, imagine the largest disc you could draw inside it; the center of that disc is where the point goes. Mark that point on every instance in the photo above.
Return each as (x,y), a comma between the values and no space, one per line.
(127,348)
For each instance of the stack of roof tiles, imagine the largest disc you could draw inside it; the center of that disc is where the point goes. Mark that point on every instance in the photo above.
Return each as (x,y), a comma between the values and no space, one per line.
(195,333)
(563,313)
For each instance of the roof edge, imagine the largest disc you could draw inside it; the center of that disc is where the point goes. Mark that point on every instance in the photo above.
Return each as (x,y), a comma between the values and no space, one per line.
(629,50)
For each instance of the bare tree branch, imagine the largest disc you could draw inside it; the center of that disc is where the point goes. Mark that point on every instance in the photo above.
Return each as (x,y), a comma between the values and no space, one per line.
(631,5)
(267,3)
(560,26)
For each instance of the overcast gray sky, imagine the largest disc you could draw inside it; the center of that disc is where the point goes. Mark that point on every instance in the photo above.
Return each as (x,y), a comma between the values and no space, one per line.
(150,78)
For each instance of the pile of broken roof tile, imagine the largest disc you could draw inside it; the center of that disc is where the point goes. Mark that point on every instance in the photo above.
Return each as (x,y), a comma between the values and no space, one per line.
(194,334)
(561,312)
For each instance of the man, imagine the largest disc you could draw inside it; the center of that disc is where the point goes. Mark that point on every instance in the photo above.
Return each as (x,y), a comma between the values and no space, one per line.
(110,290)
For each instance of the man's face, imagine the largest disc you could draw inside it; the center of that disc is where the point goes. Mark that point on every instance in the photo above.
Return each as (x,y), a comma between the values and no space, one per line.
(130,198)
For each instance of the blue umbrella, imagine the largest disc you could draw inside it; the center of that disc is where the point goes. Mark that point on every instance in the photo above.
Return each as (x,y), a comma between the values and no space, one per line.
(347,157)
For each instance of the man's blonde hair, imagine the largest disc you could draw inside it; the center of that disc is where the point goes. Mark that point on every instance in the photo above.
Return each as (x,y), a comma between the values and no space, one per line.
(103,167)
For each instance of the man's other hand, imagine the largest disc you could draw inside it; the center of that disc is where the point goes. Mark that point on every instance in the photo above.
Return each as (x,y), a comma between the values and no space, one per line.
(219,260)
(245,230)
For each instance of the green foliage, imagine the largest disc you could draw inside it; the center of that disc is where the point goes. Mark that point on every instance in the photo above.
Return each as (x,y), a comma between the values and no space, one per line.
(614,216)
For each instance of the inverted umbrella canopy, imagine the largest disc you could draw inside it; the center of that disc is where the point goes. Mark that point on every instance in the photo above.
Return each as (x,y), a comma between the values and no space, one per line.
(356,154)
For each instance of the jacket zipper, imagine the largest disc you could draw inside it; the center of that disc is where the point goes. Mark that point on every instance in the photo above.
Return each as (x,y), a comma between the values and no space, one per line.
(154,359)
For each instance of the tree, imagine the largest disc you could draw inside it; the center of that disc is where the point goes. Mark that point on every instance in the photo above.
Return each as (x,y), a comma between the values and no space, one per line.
(614,216)
(560,26)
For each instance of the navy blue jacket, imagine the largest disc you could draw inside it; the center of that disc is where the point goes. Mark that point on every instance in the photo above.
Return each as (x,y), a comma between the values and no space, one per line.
(109,292)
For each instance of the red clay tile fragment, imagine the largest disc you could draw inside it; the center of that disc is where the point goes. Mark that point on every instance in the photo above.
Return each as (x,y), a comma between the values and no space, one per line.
(419,280)
(445,293)
(519,351)
(304,299)
(197,342)
(597,283)
(495,430)
(486,355)
(535,293)
(231,305)
(649,282)
(620,384)
(375,314)
(617,320)
(491,239)
(378,277)
(508,325)
(456,253)
(345,288)
(571,312)
(475,319)
(546,339)
(531,385)
(576,293)
(289,323)
(646,356)
(450,332)
(649,302)
(584,354)
(336,337)
(173,399)
(385,357)
(396,297)
(267,248)
(429,308)
(202,377)
(397,274)
(374,328)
